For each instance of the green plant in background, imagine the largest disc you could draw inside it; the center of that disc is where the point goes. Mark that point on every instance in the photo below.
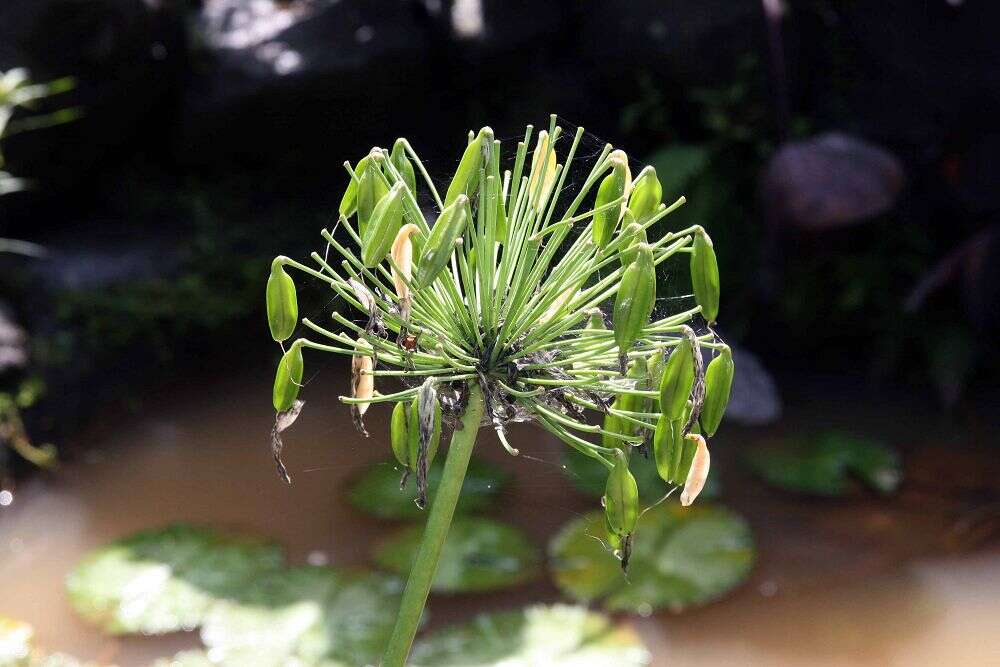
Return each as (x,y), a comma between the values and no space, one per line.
(17,90)
(494,314)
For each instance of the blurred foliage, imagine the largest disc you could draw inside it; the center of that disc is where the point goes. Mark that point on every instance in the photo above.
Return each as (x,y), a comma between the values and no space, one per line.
(554,636)
(479,555)
(17,648)
(681,557)
(826,464)
(377,491)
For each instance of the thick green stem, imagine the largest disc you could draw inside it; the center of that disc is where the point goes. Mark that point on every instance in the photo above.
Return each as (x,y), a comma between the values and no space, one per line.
(425,565)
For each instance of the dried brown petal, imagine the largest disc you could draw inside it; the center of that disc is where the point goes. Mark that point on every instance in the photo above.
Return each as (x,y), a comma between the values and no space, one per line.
(698,473)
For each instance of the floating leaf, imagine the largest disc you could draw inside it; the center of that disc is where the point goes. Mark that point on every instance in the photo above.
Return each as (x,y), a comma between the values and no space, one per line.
(313,614)
(590,476)
(823,465)
(553,636)
(15,641)
(377,491)
(681,557)
(479,555)
(164,580)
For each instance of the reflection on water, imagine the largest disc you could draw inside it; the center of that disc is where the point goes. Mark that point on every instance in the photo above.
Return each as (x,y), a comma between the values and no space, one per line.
(838,582)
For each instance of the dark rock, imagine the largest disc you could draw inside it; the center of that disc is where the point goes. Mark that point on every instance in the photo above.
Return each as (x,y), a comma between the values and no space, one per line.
(830,181)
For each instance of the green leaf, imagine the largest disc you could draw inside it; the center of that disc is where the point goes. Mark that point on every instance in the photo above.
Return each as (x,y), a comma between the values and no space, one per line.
(376,491)
(553,636)
(479,555)
(824,465)
(590,476)
(681,557)
(318,615)
(165,580)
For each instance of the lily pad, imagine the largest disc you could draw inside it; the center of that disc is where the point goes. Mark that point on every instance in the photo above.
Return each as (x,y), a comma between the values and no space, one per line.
(681,557)
(15,641)
(479,555)
(553,636)
(316,615)
(165,580)
(377,491)
(590,477)
(825,465)
(17,648)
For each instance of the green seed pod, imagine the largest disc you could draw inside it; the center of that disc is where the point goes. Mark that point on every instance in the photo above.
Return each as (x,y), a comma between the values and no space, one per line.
(349,202)
(500,231)
(678,380)
(288,378)
(637,371)
(381,231)
(613,424)
(471,259)
(635,299)
(667,441)
(654,368)
(399,434)
(614,539)
(633,234)
(614,186)
(466,178)
(403,165)
(440,244)
(371,190)
(718,384)
(688,447)
(621,499)
(543,171)
(282,303)
(705,276)
(647,193)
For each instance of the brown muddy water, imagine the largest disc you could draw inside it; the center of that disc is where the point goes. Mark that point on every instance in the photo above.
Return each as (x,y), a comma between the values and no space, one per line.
(912,580)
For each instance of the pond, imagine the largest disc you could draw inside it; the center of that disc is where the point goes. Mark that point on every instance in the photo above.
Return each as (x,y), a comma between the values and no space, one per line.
(867,581)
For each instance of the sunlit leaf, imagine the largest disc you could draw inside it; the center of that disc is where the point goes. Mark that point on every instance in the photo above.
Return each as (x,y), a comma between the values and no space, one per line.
(315,615)
(479,555)
(377,491)
(681,557)
(165,580)
(549,636)
(826,464)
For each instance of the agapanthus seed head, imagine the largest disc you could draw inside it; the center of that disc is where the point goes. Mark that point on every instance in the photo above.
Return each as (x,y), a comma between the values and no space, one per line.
(544,296)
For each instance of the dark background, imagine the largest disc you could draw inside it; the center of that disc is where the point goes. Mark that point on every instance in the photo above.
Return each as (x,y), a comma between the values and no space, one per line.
(843,156)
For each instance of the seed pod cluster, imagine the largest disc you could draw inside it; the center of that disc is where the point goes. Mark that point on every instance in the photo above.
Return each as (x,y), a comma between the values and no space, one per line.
(635,299)
(282,303)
